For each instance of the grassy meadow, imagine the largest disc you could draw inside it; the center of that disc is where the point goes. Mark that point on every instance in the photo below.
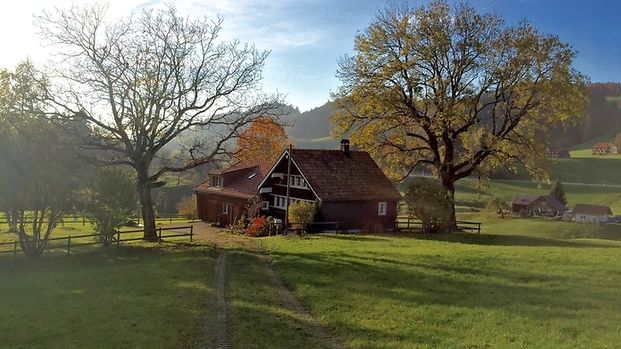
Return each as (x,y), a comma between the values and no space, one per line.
(457,291)
(141,296)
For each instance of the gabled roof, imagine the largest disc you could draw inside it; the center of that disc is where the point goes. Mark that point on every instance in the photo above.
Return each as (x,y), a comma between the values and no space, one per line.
(602,145)
(595,210)
(244,183)
(527,200)
(336,176)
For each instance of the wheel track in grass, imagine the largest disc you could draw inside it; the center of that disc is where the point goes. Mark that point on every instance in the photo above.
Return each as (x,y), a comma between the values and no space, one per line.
(311,325)
(221,324)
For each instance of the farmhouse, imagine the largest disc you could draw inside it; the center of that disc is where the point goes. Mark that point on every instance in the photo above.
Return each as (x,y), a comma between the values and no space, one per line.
(222,198)
(540,205)
(347,187)
(595,214)
(604,148)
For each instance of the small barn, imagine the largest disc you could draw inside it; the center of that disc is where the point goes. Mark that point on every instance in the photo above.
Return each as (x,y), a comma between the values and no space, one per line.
(594,214)
(536,205)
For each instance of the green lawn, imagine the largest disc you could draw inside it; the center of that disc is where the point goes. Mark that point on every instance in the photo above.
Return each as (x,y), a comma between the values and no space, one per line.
(136,297)
(488,291)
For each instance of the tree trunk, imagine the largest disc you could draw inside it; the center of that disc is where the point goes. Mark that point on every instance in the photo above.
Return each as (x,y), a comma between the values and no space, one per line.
(449,185)
(148,214)
(11,219)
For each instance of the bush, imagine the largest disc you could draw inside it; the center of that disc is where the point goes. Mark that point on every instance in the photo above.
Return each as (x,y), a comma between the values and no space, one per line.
(110,202)
(187,208)
(498,206)
(301,213)
(428,201)
(260,226)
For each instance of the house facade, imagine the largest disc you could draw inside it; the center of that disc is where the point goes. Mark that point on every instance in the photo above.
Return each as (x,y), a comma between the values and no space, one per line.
(346,186)
(594,214)
(223,197)
(536,205)
(604,148)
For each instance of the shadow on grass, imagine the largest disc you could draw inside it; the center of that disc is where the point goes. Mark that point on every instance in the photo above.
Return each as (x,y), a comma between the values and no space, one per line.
(504,240)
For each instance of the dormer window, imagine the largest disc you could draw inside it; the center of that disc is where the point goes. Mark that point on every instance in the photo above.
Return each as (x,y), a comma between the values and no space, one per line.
(216,181)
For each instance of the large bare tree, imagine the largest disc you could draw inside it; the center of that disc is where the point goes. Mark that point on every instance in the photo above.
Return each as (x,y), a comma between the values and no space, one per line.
(456,91)
(147,82)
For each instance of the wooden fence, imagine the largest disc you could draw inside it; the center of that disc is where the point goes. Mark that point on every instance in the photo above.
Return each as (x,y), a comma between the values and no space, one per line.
(81,219)
(412,224)
(66,243)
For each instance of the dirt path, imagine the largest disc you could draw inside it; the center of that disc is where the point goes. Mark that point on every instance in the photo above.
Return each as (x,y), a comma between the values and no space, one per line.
(311,325)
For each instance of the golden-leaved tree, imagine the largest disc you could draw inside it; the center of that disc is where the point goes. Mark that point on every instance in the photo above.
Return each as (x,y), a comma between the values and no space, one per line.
(455,91)
(264,140)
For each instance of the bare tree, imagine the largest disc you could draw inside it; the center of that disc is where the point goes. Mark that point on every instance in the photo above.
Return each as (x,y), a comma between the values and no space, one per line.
(147,82)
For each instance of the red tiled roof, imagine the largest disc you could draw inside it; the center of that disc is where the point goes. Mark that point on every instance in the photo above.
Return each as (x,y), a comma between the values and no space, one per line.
(335,176)
(244,184)
(602,145)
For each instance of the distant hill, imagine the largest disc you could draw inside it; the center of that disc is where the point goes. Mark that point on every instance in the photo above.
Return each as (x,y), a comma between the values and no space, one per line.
(603,119)
(311,129)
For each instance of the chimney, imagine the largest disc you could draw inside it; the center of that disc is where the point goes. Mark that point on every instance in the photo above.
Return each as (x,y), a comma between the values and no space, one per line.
(345,146)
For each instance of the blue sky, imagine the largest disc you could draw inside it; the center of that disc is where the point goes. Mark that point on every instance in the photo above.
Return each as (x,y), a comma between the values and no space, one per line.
(306,37)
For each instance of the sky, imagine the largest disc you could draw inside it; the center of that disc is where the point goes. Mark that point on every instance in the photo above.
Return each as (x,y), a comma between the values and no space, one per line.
(306,37)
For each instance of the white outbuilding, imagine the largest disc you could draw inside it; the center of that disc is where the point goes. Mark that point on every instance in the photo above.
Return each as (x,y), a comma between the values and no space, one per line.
(593,214)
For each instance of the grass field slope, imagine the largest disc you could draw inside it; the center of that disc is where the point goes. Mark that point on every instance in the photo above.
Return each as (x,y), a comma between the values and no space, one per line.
(465,292)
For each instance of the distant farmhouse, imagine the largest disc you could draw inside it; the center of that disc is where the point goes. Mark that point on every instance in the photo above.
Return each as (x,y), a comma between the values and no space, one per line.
(347,187)
(558,153)
(583,213)
(536,205)
(604,148)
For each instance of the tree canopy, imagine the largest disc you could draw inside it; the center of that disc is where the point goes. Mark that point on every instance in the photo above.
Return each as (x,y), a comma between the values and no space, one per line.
(39,169)
(143,81)
(456,91)
(264,140)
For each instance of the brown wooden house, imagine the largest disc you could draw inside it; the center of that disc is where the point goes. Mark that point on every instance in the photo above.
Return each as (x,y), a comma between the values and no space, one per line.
(222,198)
(539,205)
(347,186)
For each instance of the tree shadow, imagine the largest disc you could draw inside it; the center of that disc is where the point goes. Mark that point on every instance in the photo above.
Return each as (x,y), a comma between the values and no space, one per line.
(504,240)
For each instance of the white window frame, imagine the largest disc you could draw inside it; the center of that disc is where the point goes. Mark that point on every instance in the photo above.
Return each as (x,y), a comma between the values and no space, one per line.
(382,207)
(217,181)
(225,208)
(281,201)
(296,181)
(265,205)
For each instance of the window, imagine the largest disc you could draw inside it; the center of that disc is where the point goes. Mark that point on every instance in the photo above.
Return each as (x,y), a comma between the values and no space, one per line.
(281,201)
(297,182)
(381,209)
(225,208)
(265,205)
(216,181)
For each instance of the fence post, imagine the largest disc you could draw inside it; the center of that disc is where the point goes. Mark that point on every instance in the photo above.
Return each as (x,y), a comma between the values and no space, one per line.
(118,238)
(191,231)
(170,220)
(14,248)
(408,226)
(83,221)
(159,236)
(69,245)
(337,228)
(479,228)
